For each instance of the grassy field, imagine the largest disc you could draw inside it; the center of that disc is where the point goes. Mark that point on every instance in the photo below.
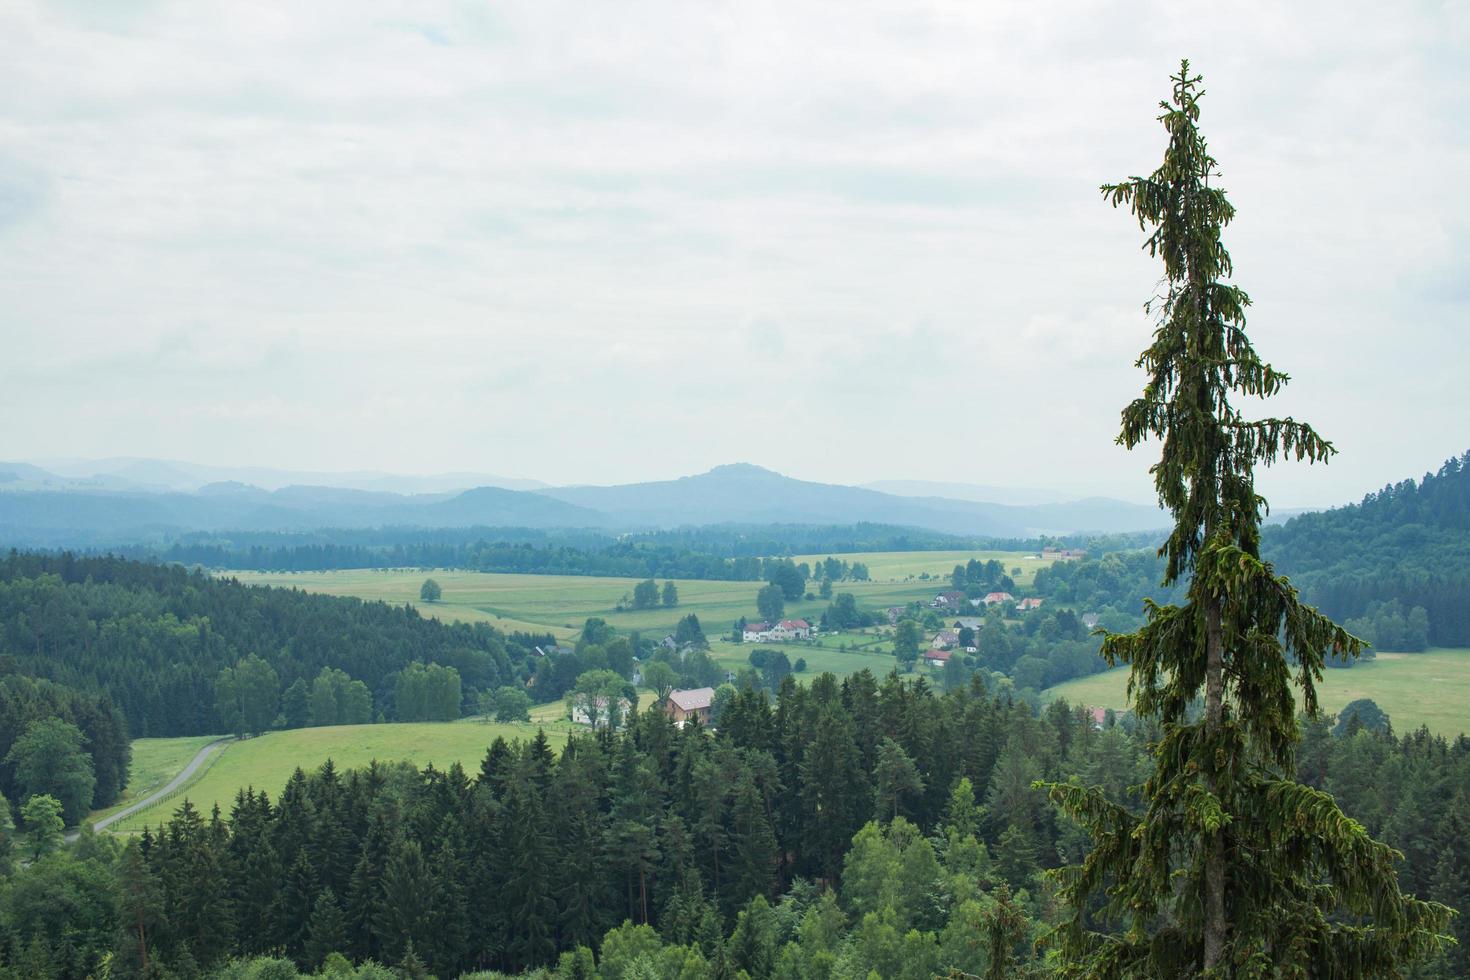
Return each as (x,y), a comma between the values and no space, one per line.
(1414,688)
(561,603)
(267,762)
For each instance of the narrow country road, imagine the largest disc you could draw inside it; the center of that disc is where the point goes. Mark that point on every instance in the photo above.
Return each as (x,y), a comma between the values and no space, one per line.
(189,770)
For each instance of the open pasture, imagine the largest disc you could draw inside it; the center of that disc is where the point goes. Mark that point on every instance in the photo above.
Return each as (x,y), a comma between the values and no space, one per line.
(561,603)
(1414,688)
(267,761)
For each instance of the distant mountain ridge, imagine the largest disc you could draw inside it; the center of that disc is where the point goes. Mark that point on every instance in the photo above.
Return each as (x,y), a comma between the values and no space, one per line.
(40,508)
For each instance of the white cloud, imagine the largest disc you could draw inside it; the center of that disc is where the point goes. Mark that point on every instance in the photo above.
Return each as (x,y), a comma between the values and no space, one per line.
(593,243)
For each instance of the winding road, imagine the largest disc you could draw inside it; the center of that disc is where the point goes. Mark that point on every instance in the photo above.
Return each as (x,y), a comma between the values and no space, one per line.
(173,784)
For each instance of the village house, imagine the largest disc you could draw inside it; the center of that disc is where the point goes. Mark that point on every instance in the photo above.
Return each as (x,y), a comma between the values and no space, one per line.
(968,622)
(787,629)
(991,598)
(1063,554)
(669,643)
(756,632)
(1090,620)
(683,705)
(895,613)
(791,629)
(580,715)
(937,658)
(1026,605)
(945,639)
(952,598)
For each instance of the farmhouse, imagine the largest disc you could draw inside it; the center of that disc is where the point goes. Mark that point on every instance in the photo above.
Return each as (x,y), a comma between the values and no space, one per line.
(937,658)
(684,705)
(968,622)
(581,716)
(1063,554)
(895,613)
(991,598)
(756,632)
(1026,605)
(791,629)
(952,598)
(786,629)
(945,639)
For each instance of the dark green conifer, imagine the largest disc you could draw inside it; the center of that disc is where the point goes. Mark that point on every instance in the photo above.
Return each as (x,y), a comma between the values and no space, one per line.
(1235,869)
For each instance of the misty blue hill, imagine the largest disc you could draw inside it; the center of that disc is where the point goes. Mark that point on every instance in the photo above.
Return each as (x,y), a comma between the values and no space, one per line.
(37,510)
(741,493)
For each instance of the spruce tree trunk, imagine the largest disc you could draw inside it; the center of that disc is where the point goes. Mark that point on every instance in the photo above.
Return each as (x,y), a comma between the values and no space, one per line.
(1215,922)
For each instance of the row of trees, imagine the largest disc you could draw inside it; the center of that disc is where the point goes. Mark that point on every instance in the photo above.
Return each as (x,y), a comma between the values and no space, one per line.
(85,721)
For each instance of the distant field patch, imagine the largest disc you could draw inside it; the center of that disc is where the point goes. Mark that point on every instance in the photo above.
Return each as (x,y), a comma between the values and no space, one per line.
(267,762)
(1431,688)
(561,603)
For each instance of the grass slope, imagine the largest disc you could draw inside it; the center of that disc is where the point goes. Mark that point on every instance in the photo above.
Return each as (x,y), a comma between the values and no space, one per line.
(155,762)
(267,762)
(1414,688)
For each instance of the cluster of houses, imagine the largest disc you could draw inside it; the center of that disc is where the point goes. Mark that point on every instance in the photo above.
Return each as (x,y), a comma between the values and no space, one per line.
(955,599)
(784,631)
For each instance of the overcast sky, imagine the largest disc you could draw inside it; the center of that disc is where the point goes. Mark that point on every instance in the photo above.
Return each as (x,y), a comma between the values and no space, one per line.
(607,242)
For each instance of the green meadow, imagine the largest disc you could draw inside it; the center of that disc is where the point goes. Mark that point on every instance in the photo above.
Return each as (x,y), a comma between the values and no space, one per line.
(1414,688)
(561,603)
(267,761)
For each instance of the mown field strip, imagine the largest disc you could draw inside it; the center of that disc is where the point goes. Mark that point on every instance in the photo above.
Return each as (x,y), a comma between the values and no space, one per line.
(1414,688)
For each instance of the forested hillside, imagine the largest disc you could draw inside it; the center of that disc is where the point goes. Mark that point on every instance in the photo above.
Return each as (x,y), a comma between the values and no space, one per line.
(1407,544)
(156,638)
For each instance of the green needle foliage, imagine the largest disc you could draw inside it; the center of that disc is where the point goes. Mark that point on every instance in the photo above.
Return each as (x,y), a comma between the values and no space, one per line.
(1234,869)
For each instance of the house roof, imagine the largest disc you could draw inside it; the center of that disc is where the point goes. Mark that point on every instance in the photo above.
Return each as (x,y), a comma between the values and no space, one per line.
(796,624)
(937,655)
(998,596)
(973,622)
(699,697)
(756,627)
(949,636)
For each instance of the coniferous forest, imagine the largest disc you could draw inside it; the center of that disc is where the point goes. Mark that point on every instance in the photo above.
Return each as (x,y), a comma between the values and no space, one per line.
(839,828)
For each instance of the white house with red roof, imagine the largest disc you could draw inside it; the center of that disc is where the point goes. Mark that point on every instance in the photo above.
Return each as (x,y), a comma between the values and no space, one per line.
(937,658)
(1026,605)
(786,629)
(991,598)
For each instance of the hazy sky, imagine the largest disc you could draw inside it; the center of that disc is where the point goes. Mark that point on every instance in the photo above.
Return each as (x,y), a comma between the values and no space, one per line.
(603,242)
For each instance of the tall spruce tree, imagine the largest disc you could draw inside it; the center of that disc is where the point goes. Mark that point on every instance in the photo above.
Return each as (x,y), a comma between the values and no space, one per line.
(1234,869)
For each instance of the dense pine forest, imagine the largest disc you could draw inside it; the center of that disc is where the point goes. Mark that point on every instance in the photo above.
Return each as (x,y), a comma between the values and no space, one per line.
(155,638)
(1408,544)
(837,829)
